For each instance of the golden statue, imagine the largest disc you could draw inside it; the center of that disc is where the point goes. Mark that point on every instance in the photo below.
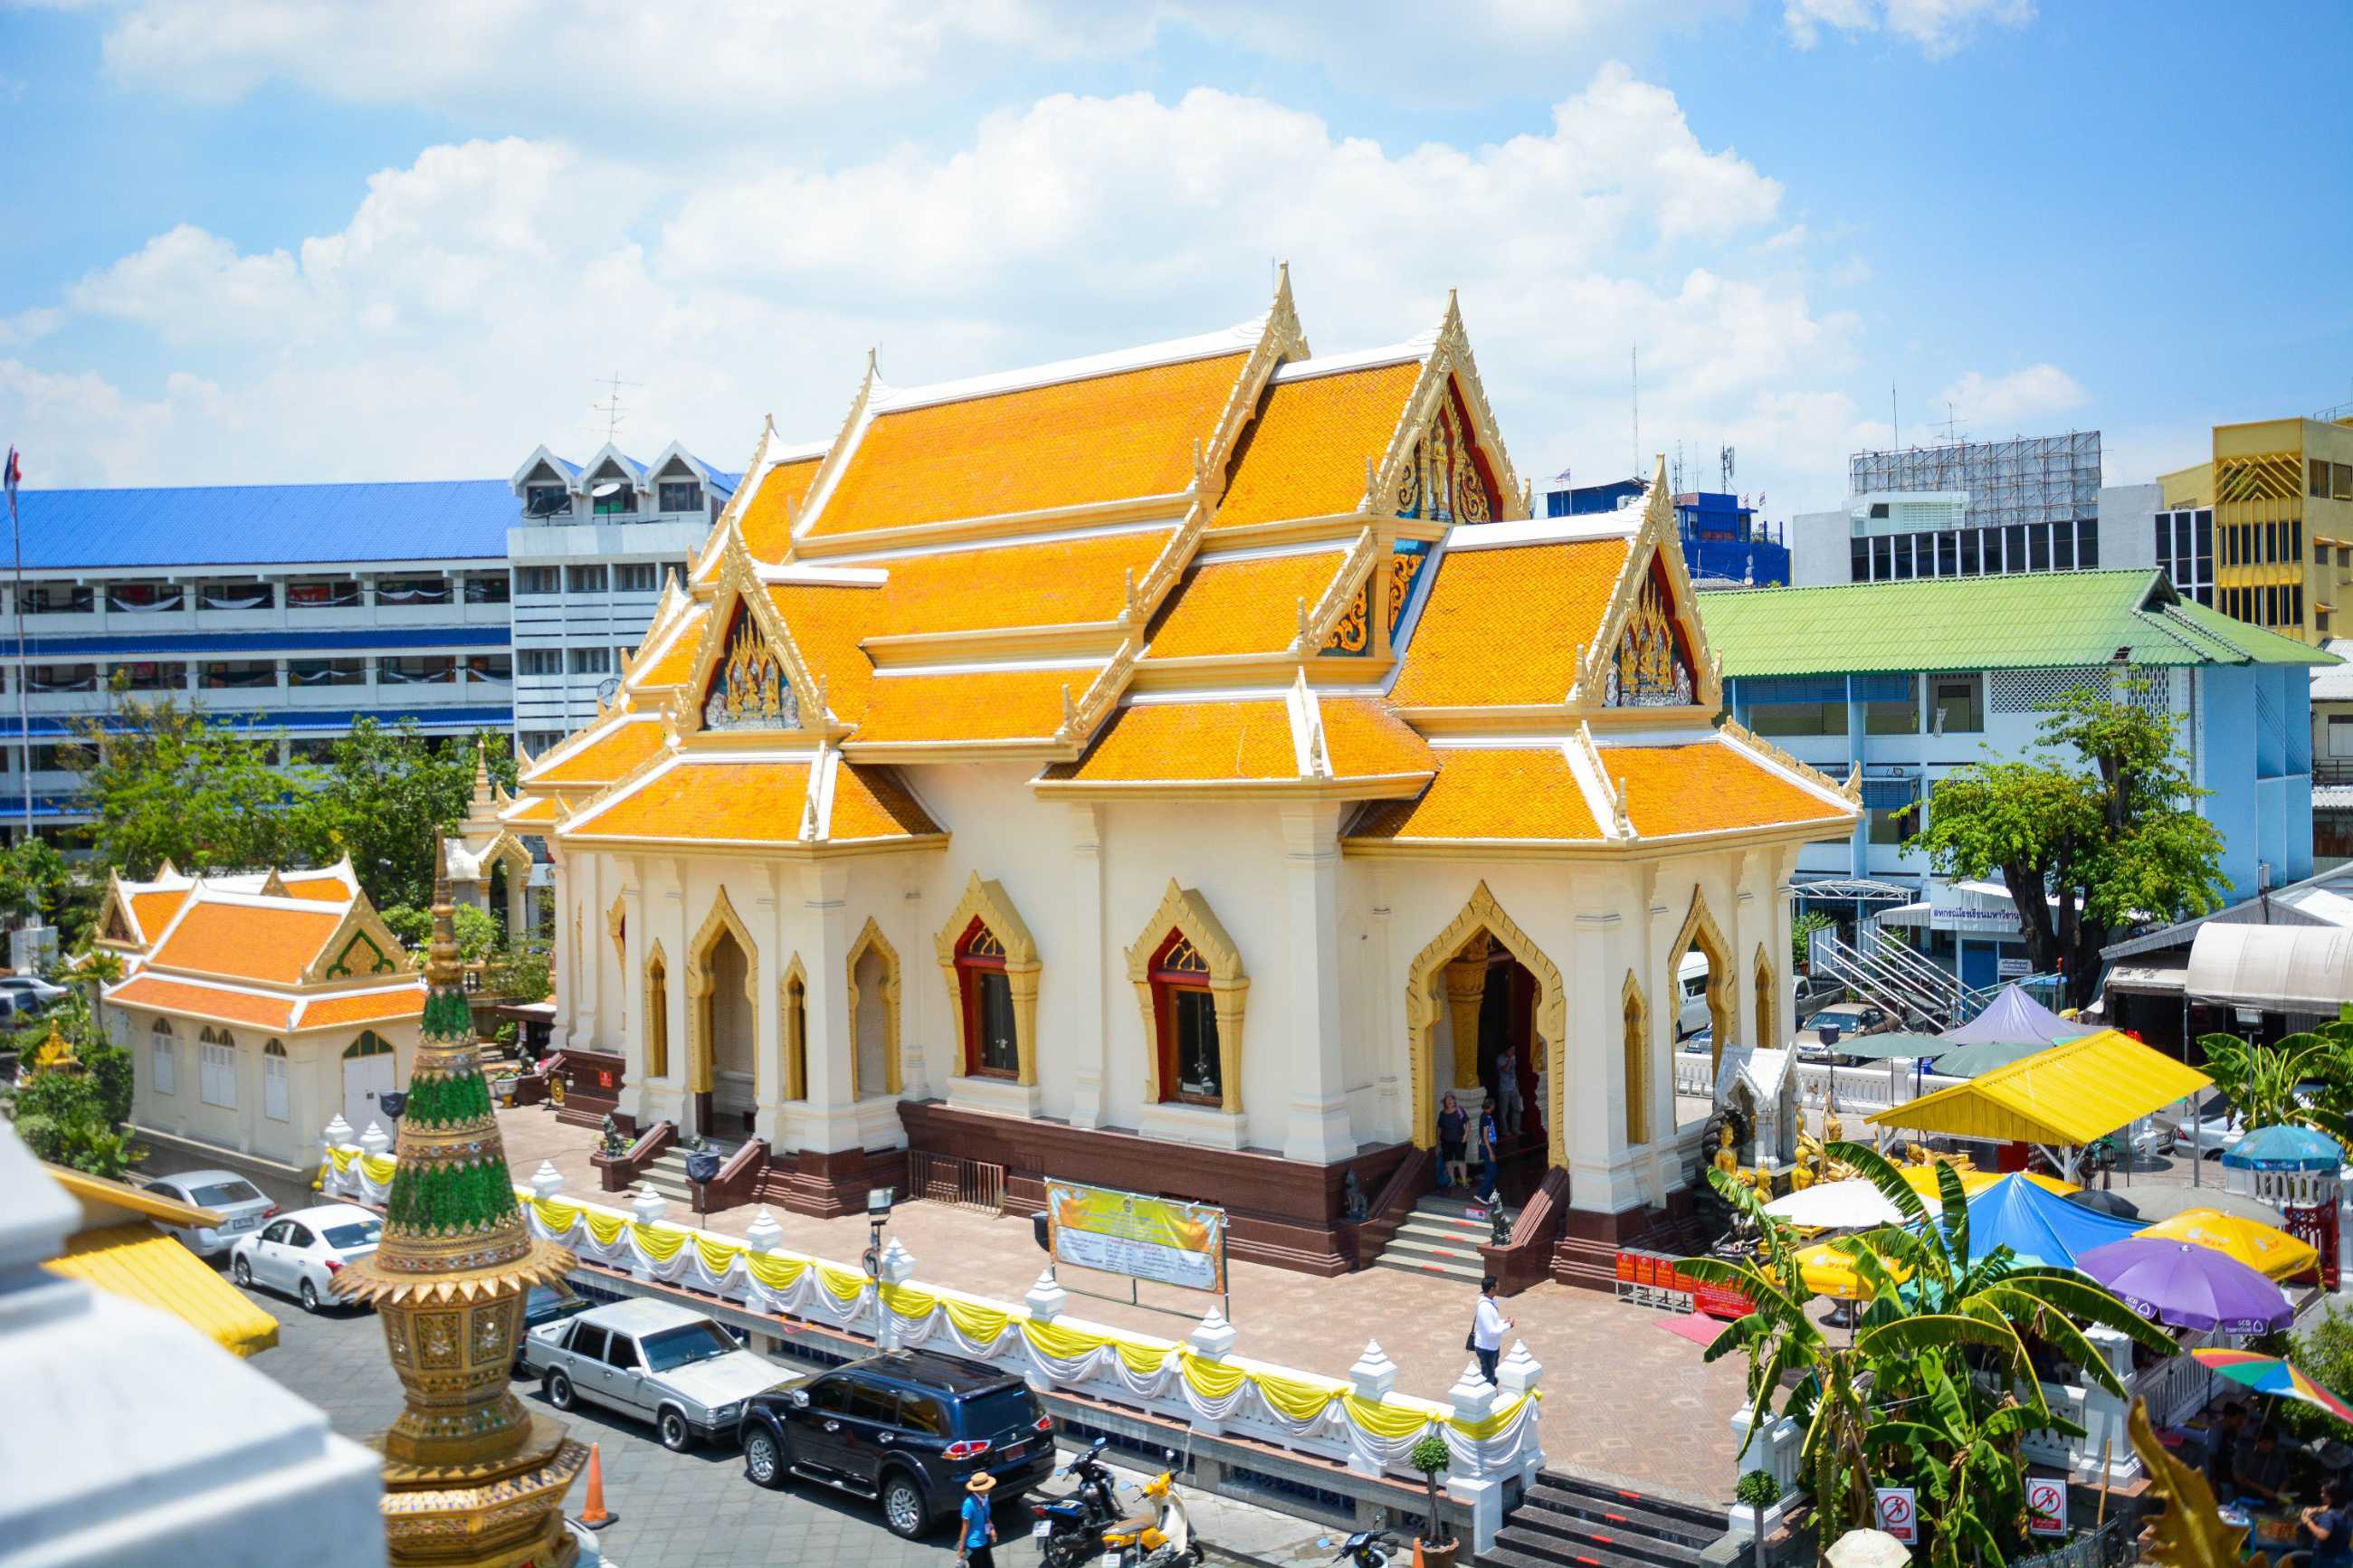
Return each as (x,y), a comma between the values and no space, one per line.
(1726,1160)
(1763,1181)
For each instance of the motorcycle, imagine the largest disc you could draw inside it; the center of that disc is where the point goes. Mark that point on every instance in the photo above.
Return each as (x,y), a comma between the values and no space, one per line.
(1068,1528)
(1366,1548)
(1147,1541)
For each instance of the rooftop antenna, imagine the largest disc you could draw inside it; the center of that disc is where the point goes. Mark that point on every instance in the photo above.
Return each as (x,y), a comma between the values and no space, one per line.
(1897,441)
(611,406)
(1634,361)
(1723,462)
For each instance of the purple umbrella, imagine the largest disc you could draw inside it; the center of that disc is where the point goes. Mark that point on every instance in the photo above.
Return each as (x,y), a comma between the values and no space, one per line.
(2189,1286)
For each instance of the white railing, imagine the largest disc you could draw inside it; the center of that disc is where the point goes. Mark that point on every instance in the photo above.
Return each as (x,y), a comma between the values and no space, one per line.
(1359,1421)
(1874,1087)
(2176,1388)
(1693,1073)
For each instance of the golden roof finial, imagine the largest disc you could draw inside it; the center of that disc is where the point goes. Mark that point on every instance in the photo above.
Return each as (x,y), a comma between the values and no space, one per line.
(441,966)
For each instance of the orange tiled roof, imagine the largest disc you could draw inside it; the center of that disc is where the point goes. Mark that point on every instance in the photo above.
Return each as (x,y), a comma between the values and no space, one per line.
(1241,606)
(677,661)
(982,705)
(1203,742)
(606,758)
(205,1002)
(1305,454)
(1489,792)
(873,803)
(154,910)
(1062,583)
(766,525)
(534,811)
(248,941)
(365,1008)
(1106,438)
(1707,787)
(1363,740)
(826,622)
(753,803)
(1502,626)
(318,887)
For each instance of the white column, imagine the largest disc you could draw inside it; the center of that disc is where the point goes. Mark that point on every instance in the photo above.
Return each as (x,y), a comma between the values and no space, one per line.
(635,1097)
(582,1005)
(1596,1126)
(768,1006)
(832,1116)
(1091,1031)
(1317,1130)
(1386,1022)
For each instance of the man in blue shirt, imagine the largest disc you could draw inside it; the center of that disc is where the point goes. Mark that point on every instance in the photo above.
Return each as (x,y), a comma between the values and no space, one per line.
(975,1531)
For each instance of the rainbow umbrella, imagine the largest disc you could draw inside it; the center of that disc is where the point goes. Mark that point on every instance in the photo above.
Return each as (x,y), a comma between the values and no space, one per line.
(2270,1374)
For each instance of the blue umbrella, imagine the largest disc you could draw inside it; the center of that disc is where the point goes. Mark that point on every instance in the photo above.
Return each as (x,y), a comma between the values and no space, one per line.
(2034,1222)
(2285,1147)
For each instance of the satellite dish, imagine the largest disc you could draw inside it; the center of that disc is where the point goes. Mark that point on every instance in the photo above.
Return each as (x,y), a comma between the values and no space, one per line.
(609,488)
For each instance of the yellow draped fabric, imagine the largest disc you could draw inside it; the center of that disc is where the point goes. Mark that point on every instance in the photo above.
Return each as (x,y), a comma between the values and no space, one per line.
(776,1272)
(1389,1419)
(1210,1379)
(845,1284)
(1479,1431)
(2073,1093)
(139,1264)
(717,1255)
(605,1228)
(658,1242)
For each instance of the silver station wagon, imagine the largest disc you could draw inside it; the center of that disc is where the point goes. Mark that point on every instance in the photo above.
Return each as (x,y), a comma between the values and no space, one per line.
(666,1363)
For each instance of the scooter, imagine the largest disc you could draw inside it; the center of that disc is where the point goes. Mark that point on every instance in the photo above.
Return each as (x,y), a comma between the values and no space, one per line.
(1366,1548)
(1068,1528)
(1145,1542)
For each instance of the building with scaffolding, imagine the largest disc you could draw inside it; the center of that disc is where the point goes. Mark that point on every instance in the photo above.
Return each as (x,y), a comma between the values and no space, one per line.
(1973,508)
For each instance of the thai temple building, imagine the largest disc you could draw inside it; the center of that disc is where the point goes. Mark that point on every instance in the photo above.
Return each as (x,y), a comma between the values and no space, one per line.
(1251,767)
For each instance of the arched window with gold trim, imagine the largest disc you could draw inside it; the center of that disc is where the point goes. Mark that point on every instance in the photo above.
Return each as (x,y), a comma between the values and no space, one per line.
(657,1029)
(1192,1069)
(991,1044)
(1638,1067)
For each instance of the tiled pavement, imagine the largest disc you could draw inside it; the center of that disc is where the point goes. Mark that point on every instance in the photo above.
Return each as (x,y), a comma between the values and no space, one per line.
(1625,1400)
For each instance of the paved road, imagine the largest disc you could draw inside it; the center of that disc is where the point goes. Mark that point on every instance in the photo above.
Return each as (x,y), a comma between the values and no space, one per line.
(675,1510)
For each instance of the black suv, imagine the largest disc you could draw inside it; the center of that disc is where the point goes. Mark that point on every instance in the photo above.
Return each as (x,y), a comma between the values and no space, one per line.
(907,1426)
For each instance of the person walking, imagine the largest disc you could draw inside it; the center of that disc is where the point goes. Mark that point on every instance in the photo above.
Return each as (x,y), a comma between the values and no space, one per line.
(1508,1089)
(1454,1133)
(976,1530)
(1488,1329)
(1489,1141)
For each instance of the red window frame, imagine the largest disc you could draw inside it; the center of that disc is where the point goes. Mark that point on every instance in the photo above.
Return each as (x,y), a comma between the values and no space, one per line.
(1167,983)
(972,962)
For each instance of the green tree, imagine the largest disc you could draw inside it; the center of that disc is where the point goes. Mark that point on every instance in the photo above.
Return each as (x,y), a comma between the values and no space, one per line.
(166,781)
(62,1117)
(478,932)
(384,791)
(2104,822)
(96,969)
(1801,927)
(518,972)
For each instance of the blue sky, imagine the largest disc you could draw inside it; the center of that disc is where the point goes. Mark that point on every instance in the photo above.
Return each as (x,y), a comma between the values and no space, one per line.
(293,239)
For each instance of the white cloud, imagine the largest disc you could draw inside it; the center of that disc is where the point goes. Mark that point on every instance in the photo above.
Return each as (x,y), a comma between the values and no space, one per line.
(1940,27)
(463,313)
(2003,405)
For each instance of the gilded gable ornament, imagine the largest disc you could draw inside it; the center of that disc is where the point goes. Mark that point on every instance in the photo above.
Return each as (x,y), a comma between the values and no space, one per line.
(751,691)
(1648,669)
(1350,634)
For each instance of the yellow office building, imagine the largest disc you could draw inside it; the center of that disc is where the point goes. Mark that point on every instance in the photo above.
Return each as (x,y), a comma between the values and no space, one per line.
(2280,495)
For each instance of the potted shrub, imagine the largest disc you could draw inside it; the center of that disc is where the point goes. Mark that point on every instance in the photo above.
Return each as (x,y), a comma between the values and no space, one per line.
(1760,1491)
(1431,1457)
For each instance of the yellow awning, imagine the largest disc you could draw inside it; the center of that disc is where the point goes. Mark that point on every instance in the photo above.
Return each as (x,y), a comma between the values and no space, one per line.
(136,1263)
(1829,1272)
(2267,1249)
(2072,1093)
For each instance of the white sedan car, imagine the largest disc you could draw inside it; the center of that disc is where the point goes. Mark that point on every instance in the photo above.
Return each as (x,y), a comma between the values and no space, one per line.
(241,1206)
(299,1253)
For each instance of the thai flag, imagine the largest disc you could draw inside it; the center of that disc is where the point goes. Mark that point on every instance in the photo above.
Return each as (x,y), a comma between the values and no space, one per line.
(10,476)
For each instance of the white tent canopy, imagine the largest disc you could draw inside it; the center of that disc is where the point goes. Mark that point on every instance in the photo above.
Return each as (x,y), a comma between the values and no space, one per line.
(2283,969)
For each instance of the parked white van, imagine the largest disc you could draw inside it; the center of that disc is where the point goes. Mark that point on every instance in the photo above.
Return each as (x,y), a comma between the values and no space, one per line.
(1690,979)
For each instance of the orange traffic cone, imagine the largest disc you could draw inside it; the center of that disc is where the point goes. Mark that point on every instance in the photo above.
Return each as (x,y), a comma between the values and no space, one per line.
(596,1516)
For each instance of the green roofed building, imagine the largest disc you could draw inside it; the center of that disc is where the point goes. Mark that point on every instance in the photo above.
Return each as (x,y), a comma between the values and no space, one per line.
(1912,680)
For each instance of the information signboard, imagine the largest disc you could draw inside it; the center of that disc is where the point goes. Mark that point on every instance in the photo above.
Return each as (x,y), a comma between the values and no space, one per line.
(2046,1507)
(1897,1515)
(1161,1239)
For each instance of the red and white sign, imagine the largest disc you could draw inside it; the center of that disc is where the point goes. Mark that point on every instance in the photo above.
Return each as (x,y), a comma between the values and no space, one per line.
(1897,1515)
(2046,1507)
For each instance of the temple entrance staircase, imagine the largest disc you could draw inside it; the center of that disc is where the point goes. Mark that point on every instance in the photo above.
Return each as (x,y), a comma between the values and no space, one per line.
(667,1173)
(1439,1237)
(1568,1522)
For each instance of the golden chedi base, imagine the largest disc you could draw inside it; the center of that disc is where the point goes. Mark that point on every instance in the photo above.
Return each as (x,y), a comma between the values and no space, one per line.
(502,1513)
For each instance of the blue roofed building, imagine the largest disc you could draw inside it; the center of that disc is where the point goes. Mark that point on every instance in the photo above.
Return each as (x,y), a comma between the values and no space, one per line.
(1724,544)
(299,608)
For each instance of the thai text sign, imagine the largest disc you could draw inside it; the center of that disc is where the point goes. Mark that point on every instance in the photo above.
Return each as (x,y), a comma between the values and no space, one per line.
(2046,1507)
(1897,1514)
(1163,1239)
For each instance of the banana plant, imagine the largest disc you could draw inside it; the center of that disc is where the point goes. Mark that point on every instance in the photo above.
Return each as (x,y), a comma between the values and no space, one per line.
(1966,1465)
(2303,1080)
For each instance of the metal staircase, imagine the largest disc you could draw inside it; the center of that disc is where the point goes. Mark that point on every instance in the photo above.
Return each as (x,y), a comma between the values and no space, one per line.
(1891,977)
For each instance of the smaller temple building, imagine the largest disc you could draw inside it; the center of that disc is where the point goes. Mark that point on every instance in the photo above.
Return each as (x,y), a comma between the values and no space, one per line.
(255,1008)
